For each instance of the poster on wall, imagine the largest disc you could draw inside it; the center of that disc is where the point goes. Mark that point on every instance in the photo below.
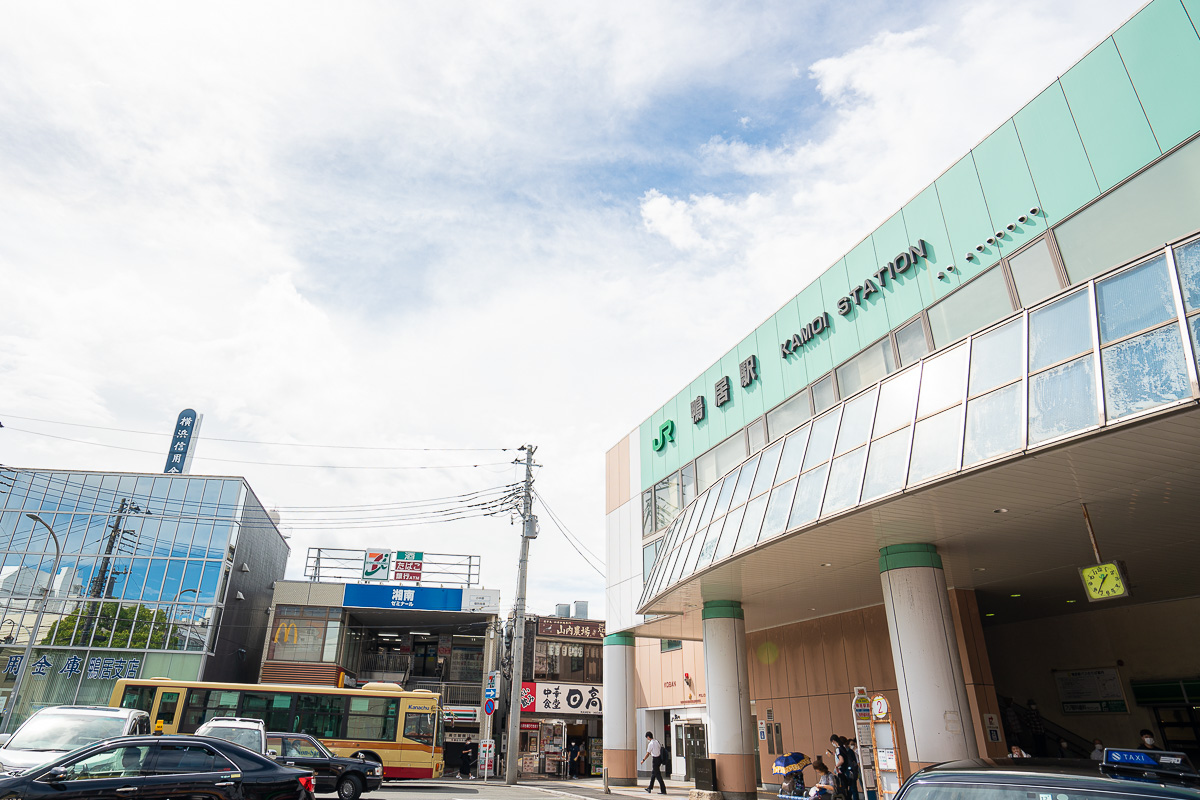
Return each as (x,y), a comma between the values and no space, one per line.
(445,645)
(1091,691)
(528,697)
(570,698)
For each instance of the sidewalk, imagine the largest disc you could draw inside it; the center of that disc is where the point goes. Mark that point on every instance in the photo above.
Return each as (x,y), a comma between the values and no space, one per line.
(593,789)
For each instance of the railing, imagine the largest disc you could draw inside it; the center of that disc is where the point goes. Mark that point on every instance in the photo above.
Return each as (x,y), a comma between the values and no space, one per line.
(456,694)
(385,662)
(339,565)
(1110,350)
(1037,735)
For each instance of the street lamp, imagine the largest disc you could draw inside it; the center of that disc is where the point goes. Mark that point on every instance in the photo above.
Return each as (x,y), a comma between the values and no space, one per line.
(37,624)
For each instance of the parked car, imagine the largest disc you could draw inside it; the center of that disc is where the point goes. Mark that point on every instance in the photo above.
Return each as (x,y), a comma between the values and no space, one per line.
(160,767)
(60,729)
(1122,775)
(248,732)
(349,777)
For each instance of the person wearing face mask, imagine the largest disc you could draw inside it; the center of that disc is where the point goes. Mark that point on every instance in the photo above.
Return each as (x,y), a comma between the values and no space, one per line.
(1097,750)
(1147,740)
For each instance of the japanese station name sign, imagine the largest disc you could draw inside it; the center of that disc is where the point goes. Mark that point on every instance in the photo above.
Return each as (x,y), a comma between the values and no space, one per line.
(794,344)
(423,598)
(562,698)
(179,451)
(574,628)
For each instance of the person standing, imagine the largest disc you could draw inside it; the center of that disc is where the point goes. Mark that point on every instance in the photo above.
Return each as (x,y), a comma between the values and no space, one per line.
(468,758)
(1147,740)
(843,760)
(1097,750)
(1037,731)
(654,753)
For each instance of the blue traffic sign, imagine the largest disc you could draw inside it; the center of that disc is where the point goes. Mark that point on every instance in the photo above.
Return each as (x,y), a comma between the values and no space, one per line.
(489,706)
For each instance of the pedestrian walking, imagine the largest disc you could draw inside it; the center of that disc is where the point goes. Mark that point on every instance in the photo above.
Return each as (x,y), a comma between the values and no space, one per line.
(464,765)
(654,750)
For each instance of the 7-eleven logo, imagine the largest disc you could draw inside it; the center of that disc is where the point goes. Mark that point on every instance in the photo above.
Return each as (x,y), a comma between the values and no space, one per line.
(375,565)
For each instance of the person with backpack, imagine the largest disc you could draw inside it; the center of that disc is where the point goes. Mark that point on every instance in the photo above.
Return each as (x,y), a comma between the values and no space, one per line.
(654,750)
(845,766)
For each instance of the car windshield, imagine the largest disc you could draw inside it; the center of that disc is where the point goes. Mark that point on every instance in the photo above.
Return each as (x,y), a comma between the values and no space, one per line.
(248,738)
(65,731)
(982,790)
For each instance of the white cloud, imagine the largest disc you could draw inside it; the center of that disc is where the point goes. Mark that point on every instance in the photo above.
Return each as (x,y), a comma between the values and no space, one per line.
(446,226)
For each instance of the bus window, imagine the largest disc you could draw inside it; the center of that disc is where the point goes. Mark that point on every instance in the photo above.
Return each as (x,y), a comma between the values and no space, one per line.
(372,718)
(419,727)
(203,704)
(167,706)
(273,708)
(139,697)
(320,715)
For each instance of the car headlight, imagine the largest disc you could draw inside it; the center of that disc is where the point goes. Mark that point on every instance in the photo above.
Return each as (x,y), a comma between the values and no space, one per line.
(377,771)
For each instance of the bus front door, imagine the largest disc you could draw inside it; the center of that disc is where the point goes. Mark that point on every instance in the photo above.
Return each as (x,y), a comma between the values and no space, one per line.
(166,711)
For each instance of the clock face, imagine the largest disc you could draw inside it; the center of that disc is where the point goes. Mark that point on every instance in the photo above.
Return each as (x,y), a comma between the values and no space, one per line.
(1103,581)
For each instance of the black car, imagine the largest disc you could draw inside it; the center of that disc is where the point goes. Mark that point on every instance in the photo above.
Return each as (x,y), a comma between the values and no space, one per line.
(1133,774)
(349,777)
(159,768)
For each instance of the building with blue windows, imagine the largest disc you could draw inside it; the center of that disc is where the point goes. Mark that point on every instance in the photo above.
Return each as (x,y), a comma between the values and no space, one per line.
(157,575)
(950,486)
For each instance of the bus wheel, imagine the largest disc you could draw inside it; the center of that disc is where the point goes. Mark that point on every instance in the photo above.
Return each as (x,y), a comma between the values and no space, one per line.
(349,787)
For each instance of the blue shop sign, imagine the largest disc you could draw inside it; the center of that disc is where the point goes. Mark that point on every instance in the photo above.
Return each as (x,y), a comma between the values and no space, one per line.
(422,598)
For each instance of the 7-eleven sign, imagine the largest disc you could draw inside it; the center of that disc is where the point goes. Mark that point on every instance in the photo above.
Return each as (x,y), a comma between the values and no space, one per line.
(375,566)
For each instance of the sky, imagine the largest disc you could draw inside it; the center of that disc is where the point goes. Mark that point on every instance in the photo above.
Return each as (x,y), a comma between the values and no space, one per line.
(449,228)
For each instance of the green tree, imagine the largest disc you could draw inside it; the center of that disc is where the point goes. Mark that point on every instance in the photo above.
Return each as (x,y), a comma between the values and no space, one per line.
(134,626)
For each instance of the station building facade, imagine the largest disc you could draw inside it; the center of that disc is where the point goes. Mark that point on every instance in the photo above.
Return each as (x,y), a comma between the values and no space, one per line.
(958,469)
(157,575)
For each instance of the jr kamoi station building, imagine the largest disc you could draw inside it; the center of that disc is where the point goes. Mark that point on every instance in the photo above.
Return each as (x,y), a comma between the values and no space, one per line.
(958,470)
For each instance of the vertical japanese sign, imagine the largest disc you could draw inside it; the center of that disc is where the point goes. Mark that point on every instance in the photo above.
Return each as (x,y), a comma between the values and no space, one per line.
(405,644)
(444,645)
(180,450)
(375,566)
(407,566)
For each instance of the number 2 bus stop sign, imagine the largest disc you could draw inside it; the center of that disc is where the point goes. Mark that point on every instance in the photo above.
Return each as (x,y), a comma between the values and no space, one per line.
(489,706)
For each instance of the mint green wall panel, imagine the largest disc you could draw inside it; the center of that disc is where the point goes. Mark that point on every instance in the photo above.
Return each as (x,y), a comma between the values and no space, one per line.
(923,220)
(732,413)
(793,368)
(1161,53)
(676,452)
(717,430)
(967,219)
(902,295)
(1007,187)
(871,317)
(647,455)
(1055,155)
(770,365)
(816,354)
(752,395)
(1193,10)
(843,335)
(1110,119)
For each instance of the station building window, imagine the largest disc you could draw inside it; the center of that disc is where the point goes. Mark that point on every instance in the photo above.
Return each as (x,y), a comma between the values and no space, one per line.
(973,306)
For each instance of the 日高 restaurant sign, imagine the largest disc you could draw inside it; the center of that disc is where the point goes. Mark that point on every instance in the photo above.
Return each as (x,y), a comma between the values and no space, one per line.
(574,628)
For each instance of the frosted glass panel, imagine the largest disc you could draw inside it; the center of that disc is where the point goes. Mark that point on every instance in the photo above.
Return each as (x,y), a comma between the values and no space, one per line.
(823,394)
(1144,372)
(733,522)
(820,441)
(844,477)
(1033,272)
(886,465)
(788,415)
(993,424)
(856,423)
(1059,331)
(708,504)
(778,508)
(1062,400)
(897,402)
(751,523)
(997,357)
(1136,299)
(976,305)
(793,453)
(1187,262)
(935,445)
(943,380)
(710,546)
(726,493)
(1161,204)
(1194,326)
(868,367)
(808,497)
(911,342)
(765,478)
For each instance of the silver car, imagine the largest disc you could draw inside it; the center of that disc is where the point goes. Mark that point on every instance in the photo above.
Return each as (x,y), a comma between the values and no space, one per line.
(55,730)
(250,733)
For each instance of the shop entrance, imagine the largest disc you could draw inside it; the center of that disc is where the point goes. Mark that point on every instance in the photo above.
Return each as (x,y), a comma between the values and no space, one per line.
(690,743)
(425,663)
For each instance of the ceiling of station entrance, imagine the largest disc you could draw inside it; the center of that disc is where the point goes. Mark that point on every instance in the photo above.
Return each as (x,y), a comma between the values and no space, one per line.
(1141,483)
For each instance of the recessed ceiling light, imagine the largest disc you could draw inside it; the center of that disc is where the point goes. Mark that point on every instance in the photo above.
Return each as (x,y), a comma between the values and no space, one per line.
(1070,601)
(989,615)
(812,609)
(979,569)
(1000,511)
(1014,595)
(827,565)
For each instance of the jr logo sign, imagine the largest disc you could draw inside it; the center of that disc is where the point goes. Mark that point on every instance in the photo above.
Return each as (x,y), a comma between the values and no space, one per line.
(666,433)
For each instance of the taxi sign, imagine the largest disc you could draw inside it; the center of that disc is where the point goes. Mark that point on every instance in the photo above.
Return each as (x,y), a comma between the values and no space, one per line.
(1130,757)
(1143,762)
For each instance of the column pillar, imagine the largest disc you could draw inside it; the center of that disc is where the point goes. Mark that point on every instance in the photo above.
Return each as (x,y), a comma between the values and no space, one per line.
(620,711)
(727,681)
(934,704)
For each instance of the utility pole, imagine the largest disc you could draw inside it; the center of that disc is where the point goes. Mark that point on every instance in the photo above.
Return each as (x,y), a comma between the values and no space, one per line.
(528,531)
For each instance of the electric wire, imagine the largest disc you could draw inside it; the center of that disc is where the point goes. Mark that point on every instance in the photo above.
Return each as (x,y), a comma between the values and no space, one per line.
(570,541)
(558,521)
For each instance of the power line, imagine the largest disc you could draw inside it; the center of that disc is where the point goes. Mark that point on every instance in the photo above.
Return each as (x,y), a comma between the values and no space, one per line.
(575,547)
(258,463)
(259,442)
(566,531)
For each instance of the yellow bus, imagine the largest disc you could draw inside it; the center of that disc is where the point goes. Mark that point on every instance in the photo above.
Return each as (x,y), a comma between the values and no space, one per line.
(381,722)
